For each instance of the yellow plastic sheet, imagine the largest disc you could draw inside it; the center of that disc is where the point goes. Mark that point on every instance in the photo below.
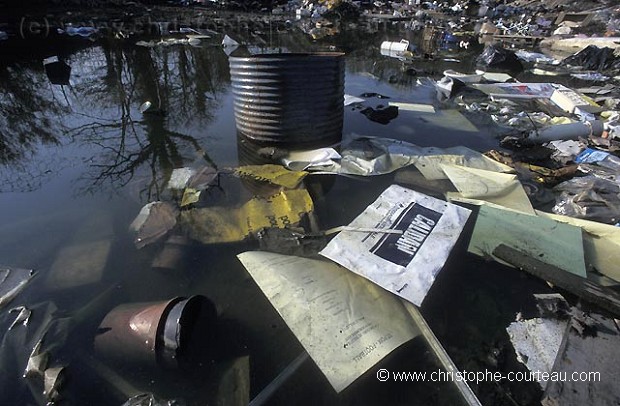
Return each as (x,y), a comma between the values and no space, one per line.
(275,174)
(224,224)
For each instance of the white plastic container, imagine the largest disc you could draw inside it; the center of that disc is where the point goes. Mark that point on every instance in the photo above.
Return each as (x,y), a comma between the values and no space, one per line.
(389,47)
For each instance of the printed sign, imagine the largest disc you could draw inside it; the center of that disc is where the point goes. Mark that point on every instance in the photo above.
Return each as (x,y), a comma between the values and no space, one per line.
(405,260)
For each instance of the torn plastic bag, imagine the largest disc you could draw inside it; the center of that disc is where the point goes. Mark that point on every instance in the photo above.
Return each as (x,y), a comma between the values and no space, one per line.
(25,354)
(589,198)
(600,172)
(594,58)
(498,58)
(368,156)
(591,76)
(529,56)
(153,222)
(23,316)
(12,282)
(407,260)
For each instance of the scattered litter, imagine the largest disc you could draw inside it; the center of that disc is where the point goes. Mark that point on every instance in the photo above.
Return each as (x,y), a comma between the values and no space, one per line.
(381,115)
(349,100)
(145,107)
(498,58)
(166,333)
(535,57)
(290,241)
(229,45)
(391,46)
(369,156)
(180,177)
(595,77)
(572,131)
(274,174)
(169,42)
(537,342)
(422,108)
(594,58)
(371,95)
(478,186)
(153,222)
(84,32)
(148,399)
(517,90)
(464,77)
(314,160)
(37,362)
(589,198)
(13,283)
(405,264)
(22,317)
(53,380)
(565,151)
(600,158)
(57,71)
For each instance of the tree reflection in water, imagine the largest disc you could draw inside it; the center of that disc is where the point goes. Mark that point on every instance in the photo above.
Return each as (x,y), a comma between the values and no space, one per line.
(98,114)
(182,83)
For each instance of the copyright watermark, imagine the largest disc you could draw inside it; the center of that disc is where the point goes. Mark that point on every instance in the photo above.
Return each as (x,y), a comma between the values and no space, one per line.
(383,375)
(30,27)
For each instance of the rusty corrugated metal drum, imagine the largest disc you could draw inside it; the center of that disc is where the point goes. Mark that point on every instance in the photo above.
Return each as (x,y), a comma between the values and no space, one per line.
(289,98)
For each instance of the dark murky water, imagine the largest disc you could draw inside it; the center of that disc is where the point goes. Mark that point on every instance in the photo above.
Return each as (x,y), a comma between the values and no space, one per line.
(79,156)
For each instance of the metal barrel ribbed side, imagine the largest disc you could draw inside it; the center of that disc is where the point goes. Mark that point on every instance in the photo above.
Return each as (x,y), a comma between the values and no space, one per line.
(289,98)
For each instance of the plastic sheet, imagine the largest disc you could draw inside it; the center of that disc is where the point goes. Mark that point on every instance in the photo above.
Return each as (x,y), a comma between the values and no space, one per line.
(594,58)
(589,198)
(153,222)
(225,224)
(496,57)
